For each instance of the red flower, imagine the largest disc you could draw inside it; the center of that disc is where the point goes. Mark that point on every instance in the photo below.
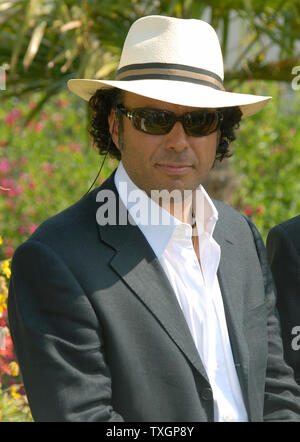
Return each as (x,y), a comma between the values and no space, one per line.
(9,251)
(3,322)
(8,352)
(62,103)
(12,117)
(259,210)
(248,210)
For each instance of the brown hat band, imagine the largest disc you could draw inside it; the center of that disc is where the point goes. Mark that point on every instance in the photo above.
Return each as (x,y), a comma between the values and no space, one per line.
(166,71)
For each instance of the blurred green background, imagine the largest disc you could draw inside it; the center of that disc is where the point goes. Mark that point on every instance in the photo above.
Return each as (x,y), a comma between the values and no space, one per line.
(46,158)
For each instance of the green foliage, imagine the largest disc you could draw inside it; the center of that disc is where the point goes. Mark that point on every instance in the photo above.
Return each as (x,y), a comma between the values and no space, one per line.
(44,43)
(267,158)
(13,409)
(47,165)
(50,163)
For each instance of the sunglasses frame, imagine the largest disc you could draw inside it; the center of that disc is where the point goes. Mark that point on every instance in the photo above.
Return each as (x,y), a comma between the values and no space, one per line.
(130,115)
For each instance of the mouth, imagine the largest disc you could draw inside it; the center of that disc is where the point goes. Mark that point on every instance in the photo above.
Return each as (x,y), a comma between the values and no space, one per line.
(174,168)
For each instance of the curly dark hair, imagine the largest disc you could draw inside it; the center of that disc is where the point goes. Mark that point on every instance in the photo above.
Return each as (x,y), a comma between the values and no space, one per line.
(104,100)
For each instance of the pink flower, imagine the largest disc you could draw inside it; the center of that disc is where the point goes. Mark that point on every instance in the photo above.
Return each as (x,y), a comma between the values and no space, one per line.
(39,126)
(22,229)
(23,161)
(4,165)
(7,182)
(248,210)
(75,147)
(19,189)
(259,210)
(12,192)
(49,168)
(31,185)
(12,117)
(32,228)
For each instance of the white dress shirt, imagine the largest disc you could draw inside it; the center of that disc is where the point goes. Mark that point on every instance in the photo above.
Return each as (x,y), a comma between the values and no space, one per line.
(196,287)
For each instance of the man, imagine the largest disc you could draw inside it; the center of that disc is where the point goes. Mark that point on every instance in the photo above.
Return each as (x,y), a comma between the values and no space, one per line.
(146,301)
(283,247)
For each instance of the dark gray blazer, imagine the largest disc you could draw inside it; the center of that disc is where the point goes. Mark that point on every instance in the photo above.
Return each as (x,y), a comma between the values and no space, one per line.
(100,336)
(283,246)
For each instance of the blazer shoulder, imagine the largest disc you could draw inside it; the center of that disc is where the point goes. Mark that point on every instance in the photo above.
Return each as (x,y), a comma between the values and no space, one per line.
(284,236)
(236,221)
(291,227)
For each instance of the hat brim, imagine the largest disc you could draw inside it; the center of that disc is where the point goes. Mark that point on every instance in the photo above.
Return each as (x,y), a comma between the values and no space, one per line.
(176,92)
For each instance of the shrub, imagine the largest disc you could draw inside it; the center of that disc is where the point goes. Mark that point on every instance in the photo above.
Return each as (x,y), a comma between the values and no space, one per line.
(49,164)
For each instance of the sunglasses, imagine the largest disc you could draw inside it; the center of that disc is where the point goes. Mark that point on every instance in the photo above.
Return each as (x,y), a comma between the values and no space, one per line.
(159,122)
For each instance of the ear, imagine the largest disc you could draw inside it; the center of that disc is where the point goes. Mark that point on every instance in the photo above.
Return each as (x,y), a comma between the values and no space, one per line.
(113,125)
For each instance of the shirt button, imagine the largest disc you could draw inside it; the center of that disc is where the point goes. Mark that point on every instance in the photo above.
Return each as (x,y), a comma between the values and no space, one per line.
(207,394)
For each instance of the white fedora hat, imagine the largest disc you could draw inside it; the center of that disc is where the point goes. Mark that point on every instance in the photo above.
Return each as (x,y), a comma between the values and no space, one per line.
(174,60)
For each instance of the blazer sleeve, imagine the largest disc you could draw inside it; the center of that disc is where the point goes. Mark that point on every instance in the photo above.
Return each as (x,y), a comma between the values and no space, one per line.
(282,394)
(284,259)
(57,339)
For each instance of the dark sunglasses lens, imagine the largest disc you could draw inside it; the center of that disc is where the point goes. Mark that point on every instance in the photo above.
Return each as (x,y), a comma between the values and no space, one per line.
(198,124)
(153,121)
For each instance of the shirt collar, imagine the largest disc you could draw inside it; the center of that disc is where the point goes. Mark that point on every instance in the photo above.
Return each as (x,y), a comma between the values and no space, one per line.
(156,223)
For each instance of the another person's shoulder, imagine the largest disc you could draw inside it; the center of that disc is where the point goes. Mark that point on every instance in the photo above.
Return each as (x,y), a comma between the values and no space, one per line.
(290,226)
(284,236)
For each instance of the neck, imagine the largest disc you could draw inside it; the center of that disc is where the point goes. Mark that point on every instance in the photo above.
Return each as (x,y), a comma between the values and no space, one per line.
(182,209)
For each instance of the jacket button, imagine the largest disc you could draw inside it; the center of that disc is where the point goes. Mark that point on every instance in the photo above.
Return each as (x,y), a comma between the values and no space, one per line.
(207,394)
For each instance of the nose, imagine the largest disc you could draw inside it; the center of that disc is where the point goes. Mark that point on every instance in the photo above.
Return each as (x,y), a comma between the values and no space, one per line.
(176,139)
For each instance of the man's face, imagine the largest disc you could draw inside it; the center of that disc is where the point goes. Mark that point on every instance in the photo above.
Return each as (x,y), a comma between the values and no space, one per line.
(156,162)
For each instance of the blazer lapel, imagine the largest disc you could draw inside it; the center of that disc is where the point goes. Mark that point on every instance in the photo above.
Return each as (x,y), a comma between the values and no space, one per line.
(233,293)
(138,266)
